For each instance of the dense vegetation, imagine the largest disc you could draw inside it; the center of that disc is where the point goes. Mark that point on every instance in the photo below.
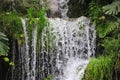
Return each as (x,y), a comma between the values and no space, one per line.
(105,15)
(106,18)
(11,28)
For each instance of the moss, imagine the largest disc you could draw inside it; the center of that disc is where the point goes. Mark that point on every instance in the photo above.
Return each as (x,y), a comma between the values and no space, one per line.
(100,68)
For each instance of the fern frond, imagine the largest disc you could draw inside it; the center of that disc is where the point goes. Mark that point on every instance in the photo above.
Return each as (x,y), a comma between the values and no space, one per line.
(113,25)
(112,9)
(110,27)
(3,44)
(111,44)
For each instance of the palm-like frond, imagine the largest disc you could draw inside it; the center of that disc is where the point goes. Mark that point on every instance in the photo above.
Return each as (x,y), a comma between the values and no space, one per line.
(113,25)
(3,44)
(109,28)
(112,9)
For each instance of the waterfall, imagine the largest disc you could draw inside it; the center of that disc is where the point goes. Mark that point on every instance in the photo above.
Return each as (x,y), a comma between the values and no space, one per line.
(71,44)
(33,57)
(26,57)
(26,54)
(63,8)
(66,47)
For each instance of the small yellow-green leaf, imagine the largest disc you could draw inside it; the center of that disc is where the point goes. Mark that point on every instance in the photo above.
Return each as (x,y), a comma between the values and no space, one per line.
(6,59)
(11,63)
(22,35)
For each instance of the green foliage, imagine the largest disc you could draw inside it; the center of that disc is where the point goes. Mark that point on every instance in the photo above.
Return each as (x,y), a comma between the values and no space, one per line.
(107,24)
(37,18)
(117,68)
(3,44)
(94,11)
(107,21)
(11,63)
(98,18)
(11,24)
(100,68)
(113,22)
(112,9)
(49,77)
(20,6)
(111,45)
(6,59)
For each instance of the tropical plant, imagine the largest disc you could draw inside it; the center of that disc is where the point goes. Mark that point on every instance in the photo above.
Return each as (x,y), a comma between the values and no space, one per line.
(112,9)
(107,21)
(100,68)
(11,24)
(37,17)
(3,44)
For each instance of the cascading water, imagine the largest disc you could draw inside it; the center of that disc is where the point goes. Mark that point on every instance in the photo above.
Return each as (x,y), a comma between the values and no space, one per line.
(33,55)
(71,44)
(27,58)
(66,48)
(63,8)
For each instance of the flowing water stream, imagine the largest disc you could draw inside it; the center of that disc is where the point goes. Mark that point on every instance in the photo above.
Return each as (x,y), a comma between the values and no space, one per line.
(71,45)
(66,47)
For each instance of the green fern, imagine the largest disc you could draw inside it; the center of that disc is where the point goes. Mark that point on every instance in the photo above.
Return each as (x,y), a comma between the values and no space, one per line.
(110,26)
(3,44)
(112,9)
(113,25)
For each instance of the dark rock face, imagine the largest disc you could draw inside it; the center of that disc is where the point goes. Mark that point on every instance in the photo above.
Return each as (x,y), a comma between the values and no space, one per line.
(77,8)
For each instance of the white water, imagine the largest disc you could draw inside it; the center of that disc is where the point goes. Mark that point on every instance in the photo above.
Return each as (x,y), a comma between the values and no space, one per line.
(33,55)
(74,69)
(65,50)
(26,54)
(63,8)
(29,58)
(72,44)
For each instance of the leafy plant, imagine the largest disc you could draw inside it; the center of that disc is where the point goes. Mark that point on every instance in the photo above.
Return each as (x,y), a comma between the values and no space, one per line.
(11,24)
(106,18)
(113,20)
(100,68)
(3,44)
(112,9)
(107,24)
(38,18)
(49,77)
